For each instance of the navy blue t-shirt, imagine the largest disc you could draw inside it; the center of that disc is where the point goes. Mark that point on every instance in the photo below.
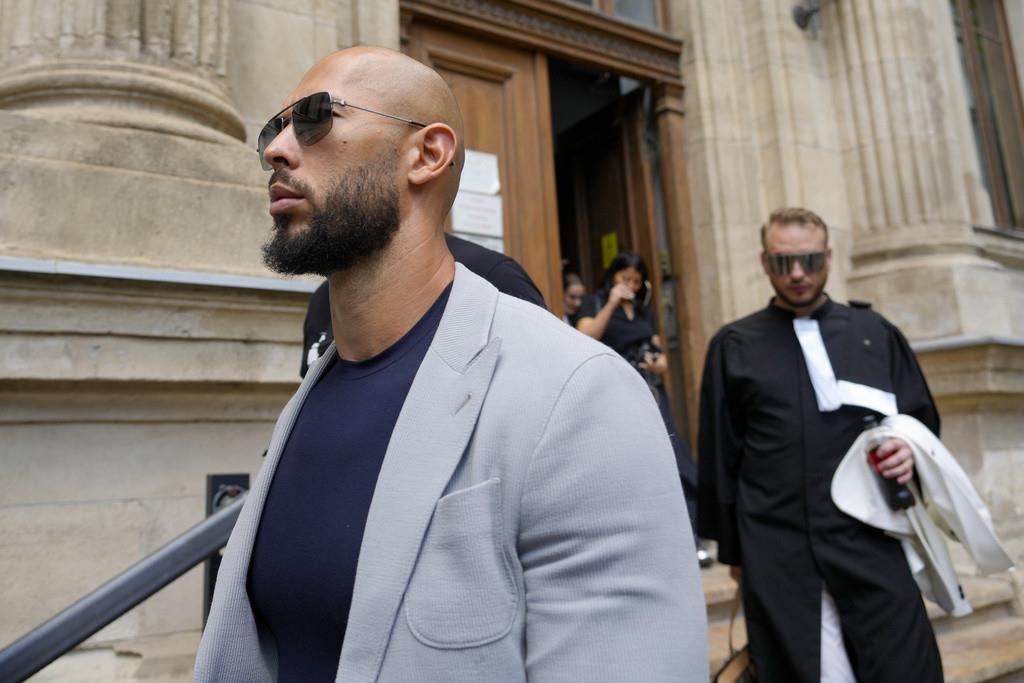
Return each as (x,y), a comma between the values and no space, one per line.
(303,566)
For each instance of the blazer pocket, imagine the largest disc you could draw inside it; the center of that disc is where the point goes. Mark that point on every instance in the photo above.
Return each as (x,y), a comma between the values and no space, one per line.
(463,591)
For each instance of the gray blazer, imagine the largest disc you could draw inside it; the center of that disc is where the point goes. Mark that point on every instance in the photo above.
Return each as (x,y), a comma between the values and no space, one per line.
(528,522)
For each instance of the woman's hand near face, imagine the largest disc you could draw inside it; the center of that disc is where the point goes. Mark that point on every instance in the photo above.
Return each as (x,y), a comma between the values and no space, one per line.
(619,293)
(595,326)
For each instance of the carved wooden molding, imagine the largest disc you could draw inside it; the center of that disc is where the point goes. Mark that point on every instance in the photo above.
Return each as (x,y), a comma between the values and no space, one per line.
(668,98)
(474,67)
(562,30)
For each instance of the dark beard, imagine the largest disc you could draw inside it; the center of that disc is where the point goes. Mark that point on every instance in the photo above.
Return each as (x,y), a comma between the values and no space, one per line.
(781,294)
(359,218)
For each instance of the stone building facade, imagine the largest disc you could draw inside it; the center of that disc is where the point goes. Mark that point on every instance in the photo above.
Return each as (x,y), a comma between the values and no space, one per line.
(143,345)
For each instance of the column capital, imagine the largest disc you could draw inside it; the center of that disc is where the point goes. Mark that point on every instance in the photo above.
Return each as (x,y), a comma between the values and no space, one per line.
(149,66)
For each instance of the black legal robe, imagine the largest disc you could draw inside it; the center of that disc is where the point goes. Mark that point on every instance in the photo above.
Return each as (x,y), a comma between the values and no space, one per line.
(766,460)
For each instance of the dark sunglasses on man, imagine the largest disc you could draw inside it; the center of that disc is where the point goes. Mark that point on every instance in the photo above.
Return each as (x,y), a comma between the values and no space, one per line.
(782,264)
(311,119)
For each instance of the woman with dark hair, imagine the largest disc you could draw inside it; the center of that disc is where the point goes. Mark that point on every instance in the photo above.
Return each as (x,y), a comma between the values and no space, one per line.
(619,315)
(572,287)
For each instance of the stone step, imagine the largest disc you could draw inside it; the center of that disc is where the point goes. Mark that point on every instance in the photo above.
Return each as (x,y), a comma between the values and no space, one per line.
(718,640)
(155,659)
(990,599)
(719,590)
(987,651)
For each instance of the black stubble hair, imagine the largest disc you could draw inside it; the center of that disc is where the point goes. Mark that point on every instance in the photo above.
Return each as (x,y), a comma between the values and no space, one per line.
(358,219)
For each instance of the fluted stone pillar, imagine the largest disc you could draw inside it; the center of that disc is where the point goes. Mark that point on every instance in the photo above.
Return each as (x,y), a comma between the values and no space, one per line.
(902,149)
(912,172)
(760,134)
(157,65)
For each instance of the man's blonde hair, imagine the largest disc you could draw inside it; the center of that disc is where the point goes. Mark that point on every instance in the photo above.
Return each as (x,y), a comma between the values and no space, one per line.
(792,215)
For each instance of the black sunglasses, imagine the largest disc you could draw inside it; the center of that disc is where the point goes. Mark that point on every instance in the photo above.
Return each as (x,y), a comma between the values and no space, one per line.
(311,119)
(782,264)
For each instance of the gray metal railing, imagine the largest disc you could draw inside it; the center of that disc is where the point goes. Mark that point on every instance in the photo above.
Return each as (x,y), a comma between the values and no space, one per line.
(64,631)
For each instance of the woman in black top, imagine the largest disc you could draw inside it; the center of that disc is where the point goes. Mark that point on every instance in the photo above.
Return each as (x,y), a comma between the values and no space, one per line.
(618,315)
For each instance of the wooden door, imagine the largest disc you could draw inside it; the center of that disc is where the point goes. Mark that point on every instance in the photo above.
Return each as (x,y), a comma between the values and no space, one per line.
(503,94)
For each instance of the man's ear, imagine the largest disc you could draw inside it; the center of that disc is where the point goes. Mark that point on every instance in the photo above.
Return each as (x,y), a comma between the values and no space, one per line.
(434,154)
(764,263)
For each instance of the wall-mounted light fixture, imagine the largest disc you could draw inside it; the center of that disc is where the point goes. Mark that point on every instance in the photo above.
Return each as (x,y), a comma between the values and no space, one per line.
(809,16)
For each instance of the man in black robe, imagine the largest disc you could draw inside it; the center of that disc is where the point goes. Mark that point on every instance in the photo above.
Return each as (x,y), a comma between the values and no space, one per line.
(769,444)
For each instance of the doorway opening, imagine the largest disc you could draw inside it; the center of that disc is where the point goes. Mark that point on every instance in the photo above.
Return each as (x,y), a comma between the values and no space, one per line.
(607,191)
(586,122)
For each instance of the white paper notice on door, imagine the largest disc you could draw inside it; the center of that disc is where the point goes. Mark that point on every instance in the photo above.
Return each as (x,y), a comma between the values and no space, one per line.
(477,214)
(480,173)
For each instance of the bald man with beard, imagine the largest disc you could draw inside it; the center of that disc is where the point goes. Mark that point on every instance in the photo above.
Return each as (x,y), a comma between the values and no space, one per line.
(463,489)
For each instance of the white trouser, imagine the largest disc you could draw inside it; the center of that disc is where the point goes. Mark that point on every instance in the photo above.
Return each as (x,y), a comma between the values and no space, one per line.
(835,664)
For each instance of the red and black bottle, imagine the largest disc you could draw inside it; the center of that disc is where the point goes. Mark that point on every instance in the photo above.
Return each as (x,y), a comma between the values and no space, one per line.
(897,495)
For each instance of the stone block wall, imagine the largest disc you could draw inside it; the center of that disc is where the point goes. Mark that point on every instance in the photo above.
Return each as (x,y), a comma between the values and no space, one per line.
(118,398)
(143,343)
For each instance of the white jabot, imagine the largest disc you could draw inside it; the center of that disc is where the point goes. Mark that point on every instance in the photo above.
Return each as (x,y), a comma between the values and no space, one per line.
(830,392)
(823,377)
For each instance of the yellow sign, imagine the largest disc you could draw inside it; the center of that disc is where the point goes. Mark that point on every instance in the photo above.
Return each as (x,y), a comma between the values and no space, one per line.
(609,248)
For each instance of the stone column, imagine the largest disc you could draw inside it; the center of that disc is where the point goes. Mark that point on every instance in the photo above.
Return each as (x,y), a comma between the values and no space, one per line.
(911,171)
(760,134)
(721,152)
(158,65)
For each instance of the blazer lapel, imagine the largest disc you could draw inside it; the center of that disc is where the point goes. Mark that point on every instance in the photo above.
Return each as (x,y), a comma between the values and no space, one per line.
(428,442)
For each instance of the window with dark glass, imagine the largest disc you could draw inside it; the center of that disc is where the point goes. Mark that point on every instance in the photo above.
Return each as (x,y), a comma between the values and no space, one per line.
(997,114)
(643,12)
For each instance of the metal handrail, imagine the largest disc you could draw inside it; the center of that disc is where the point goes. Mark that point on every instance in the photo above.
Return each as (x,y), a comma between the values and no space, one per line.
(65,630)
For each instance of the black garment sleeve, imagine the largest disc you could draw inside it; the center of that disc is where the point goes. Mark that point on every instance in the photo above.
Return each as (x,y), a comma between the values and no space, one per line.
(509,277)
(652,320)
(720,448)
(317,322)
(590,307)
(912,394)
(501,271)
